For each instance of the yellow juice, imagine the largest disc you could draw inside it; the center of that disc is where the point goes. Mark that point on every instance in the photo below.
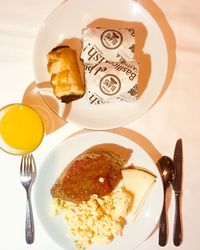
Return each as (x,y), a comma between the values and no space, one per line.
(21,129)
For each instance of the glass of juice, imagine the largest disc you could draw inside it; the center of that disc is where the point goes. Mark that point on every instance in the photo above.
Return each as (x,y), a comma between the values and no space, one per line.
(21,129)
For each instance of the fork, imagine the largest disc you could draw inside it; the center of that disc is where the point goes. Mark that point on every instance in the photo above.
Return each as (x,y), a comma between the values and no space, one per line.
(27,176)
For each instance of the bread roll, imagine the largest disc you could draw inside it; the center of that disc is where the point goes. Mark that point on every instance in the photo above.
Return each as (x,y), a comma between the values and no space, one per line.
(65,74)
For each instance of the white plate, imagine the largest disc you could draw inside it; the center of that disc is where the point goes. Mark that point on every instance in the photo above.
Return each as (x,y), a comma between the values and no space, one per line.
(67,22)
(133,233)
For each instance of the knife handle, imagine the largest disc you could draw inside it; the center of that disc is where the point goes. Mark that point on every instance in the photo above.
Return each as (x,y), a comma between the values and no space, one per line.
(177,221)
(163,226)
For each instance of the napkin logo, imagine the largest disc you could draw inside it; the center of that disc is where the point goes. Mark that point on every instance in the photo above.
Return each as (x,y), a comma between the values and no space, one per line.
(111,39)
(110,84)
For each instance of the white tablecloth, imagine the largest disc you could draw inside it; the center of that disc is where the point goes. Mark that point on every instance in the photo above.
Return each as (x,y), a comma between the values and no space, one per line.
(175,115)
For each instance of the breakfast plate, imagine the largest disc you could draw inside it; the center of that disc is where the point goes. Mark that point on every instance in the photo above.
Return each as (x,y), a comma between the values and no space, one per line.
(66,22)
(134,233)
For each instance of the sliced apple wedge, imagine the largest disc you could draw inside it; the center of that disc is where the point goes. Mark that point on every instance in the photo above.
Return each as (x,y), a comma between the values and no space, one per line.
(139,182)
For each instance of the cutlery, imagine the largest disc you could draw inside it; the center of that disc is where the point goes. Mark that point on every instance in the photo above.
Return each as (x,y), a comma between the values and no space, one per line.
(27,176)
(177,186)
(166,168)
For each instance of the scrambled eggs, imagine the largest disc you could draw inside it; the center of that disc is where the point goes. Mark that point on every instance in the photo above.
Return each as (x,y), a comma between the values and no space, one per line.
(96,221)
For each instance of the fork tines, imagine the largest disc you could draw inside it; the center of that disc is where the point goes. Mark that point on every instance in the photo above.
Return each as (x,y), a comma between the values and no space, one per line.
(27,166)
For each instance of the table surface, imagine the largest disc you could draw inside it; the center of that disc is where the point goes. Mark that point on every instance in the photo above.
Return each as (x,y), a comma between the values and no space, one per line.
(175,115)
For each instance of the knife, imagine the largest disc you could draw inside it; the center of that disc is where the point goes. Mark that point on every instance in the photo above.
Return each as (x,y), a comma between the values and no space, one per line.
(177,186)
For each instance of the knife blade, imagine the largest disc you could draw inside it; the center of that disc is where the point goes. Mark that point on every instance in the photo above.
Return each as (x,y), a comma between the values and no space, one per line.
(178,160)
(177,186)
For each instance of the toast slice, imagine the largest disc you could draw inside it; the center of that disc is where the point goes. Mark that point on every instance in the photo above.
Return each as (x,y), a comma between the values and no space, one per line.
(95,171)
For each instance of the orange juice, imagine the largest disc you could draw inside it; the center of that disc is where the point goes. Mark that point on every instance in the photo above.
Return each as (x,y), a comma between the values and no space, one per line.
(21,129)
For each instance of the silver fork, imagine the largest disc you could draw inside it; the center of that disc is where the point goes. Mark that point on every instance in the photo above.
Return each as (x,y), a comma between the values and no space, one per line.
(27,177)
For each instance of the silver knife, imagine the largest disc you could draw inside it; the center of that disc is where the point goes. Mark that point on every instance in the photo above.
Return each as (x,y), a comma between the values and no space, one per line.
(177,186)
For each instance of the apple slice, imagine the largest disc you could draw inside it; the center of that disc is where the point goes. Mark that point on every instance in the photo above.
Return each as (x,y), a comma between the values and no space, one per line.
(139,182)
